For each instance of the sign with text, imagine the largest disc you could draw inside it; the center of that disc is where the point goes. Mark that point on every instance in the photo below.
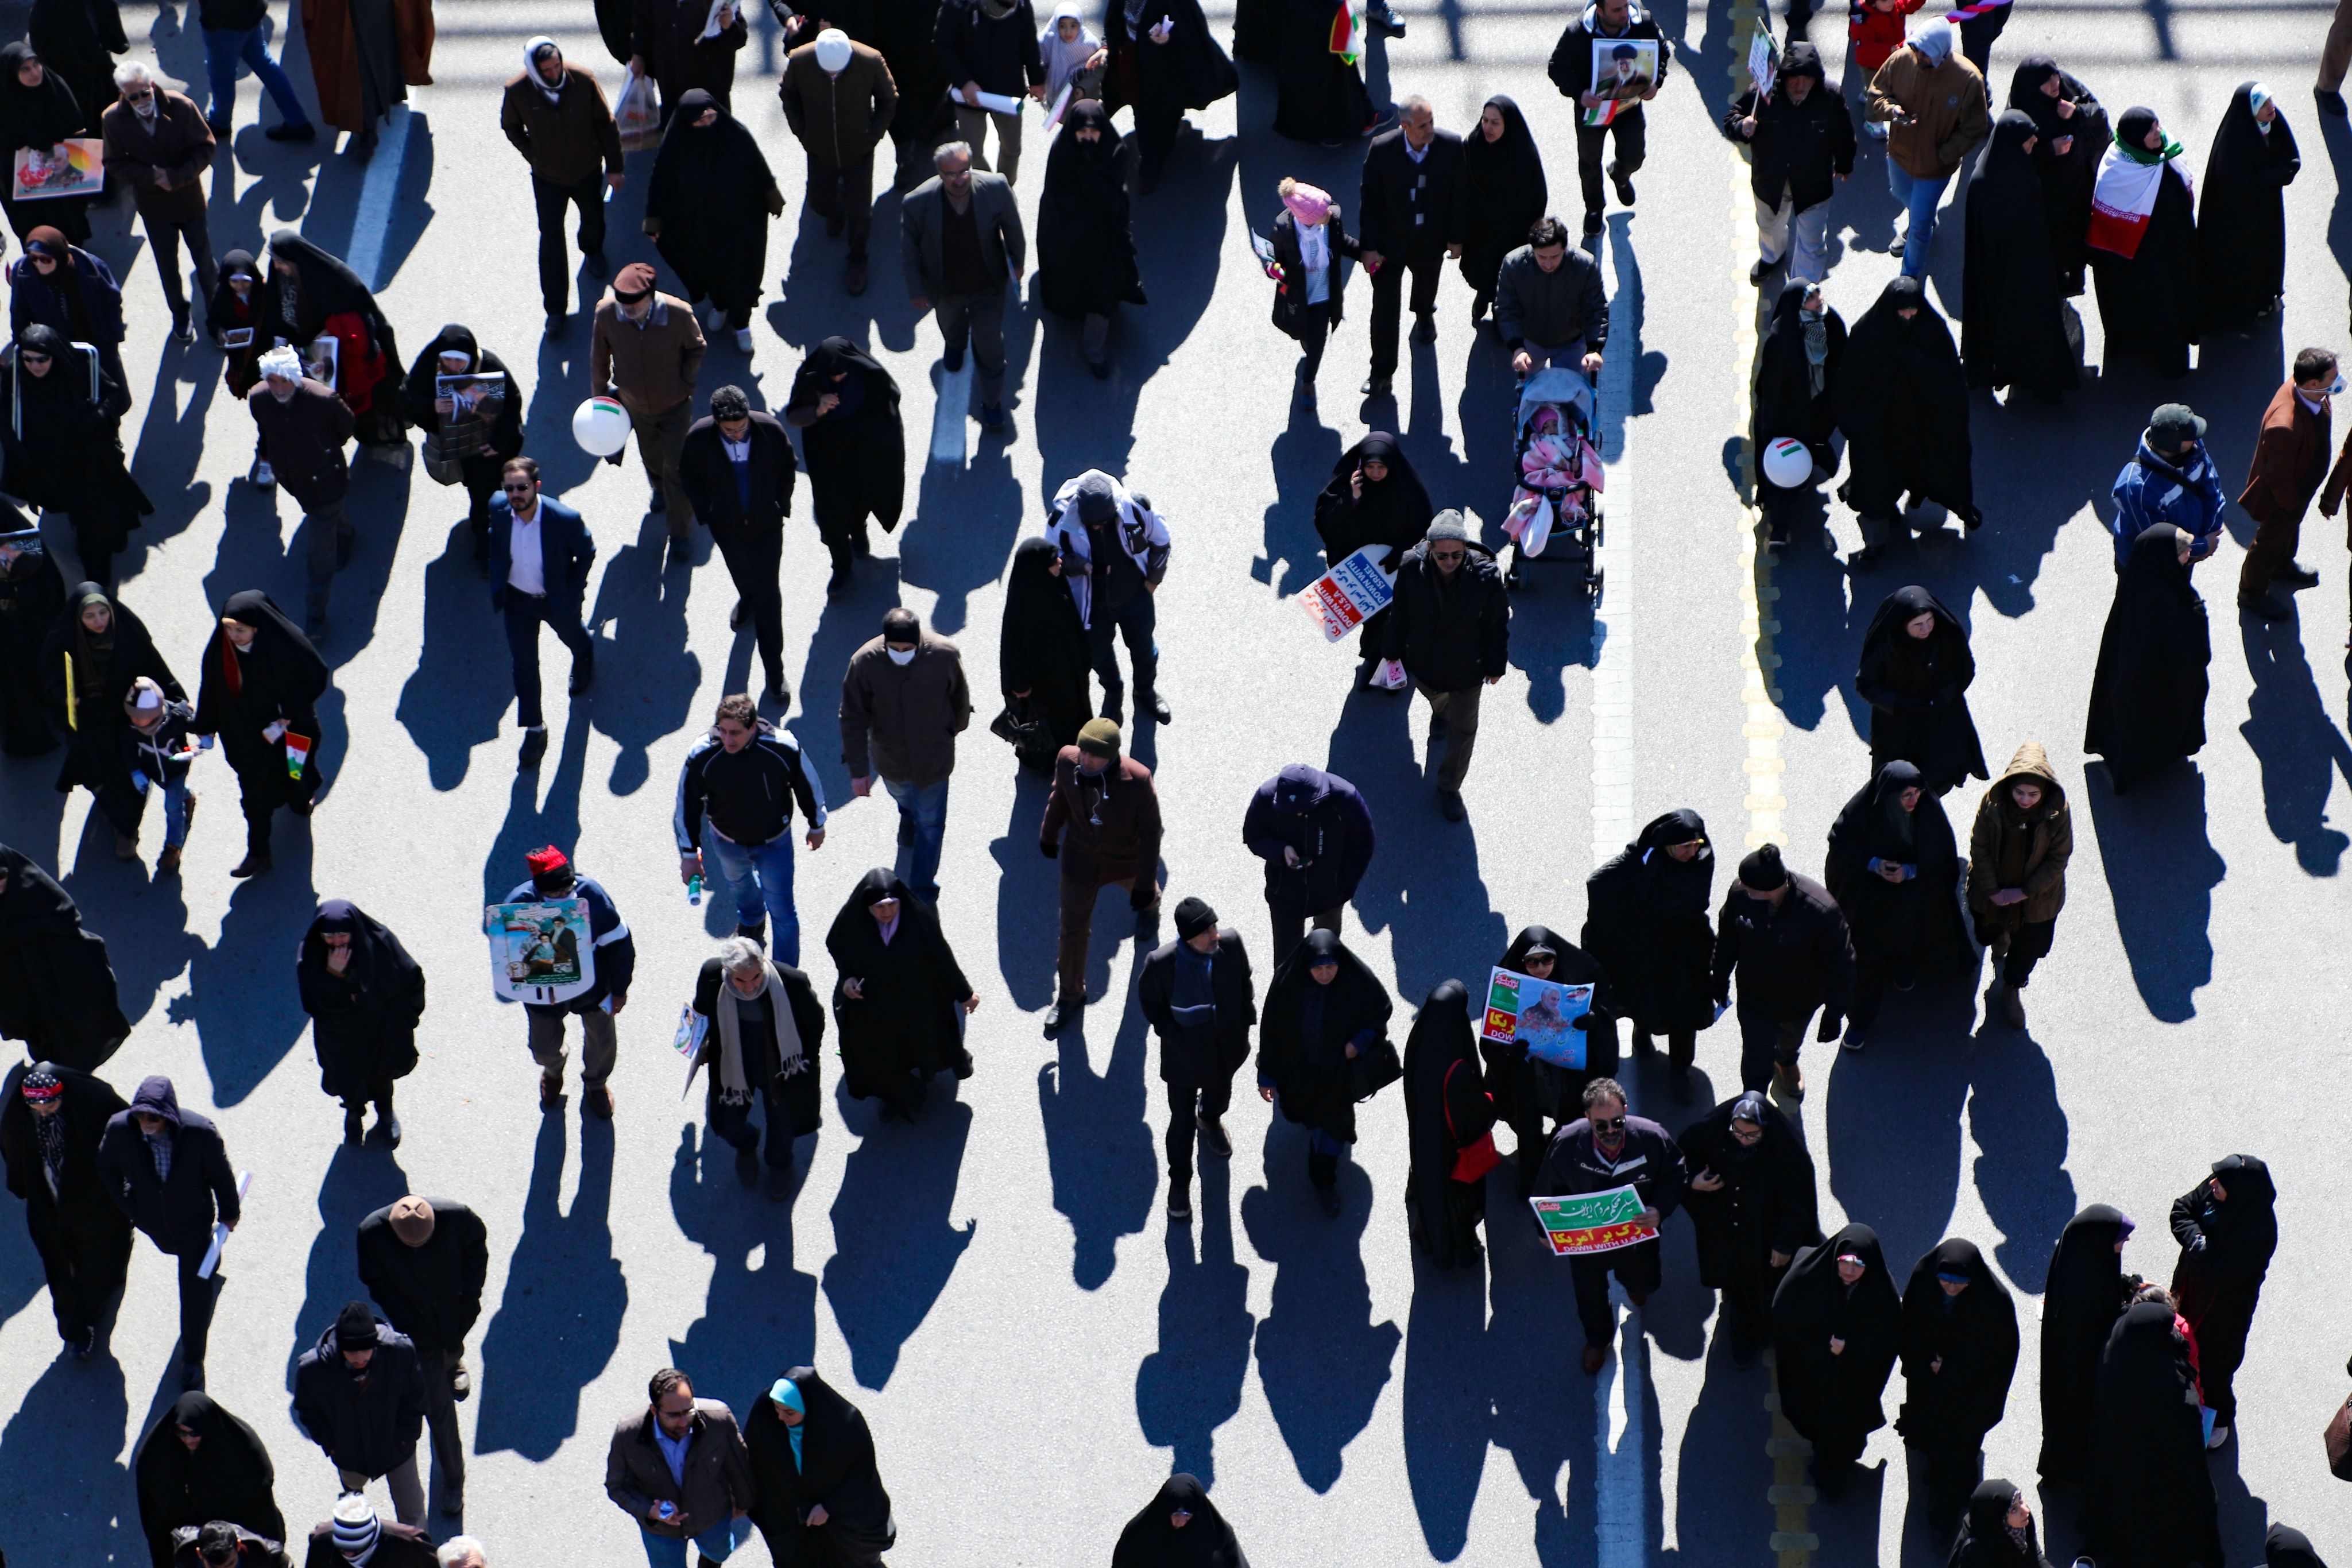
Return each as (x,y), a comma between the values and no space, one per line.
(1540,1015)
(1593,1222)
(1353,592)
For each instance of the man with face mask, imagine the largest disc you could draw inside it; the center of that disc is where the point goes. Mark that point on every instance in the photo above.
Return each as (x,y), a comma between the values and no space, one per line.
(903,702)
(1802,137)
(1104,811)
(839,100)
(304,424)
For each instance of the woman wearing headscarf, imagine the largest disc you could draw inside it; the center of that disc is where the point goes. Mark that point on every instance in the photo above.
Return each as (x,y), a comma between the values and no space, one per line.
(1998,1530)
(60,447)
(1178,1528)
(1795,395)
(901,1000)
(1086,254)
(39,110)
(95,653)
(765,1042)
(1896,874)
(1504,195)
(1959,1352)
(1914,673)
(2227,1229)
(1753,1206)
(1162,72)
(2013,330)
(1449,1130)
(1528,1088)
(1836,1330)
(2148,1495)
(1324,1010)
(260,687)
(57,989)
(1903,403)
(79,41)
(821,1501)
(56,283)
(2070,134)
(2284,1548)
(199,1463)
(482,449)
(1320,94)
(365,995)
(309,295)
(1311,251)
(853,444)
(2143,247)
(2081,1299)
(707,210)
(32,598)
(2147,697)
(1647,925)
(2018,850)
(1041,655)
(234,310)
(1373,497)
(2242,213)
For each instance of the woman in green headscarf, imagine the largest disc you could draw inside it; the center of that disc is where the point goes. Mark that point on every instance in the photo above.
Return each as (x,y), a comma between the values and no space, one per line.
(2143,243)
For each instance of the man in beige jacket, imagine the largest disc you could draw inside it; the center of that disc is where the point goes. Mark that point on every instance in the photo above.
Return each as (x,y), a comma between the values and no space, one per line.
(1935,102)
(647,351)
(839,100)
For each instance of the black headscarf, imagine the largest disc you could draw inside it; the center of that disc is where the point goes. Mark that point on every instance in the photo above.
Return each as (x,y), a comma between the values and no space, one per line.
(57,989)
(2153,302)
(2066,177)
(1903,403)
(228,1477)
(39,116)
(2239,1234)
(2147,697)
(1768,1201)
(1042,649)
(1918,919)
(364,1020)
(1206,1540)
(906,1021)
(1833,1398)
(1447,1110)
(836,1466)
(1086,252)
(325,286)
(1973,1333)
(1917,691)
(1504,192)
(856,465)
(709,192)
(280,676)
(424,385)
(2080,1302)
(2148,1494)
(2285,1548)
(1646,924)
(1309,1066)
(2012,330)
(2242,213)
(1788,401)
(1986,1541)
(1395,512)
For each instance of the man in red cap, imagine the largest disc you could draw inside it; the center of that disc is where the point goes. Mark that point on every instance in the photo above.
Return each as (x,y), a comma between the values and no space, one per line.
(602,993)
(647,351)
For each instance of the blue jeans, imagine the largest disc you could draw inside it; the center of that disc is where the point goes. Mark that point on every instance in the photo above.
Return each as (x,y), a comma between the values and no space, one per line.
(715,1543)
(922,825)
(760,877)
(1919,198)
(223,50)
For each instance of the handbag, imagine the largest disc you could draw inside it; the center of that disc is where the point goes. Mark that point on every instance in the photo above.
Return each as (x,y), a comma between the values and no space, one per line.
(440,464)
(1472,1161)
(1019,728)
(2338,1438)
(1374,1069)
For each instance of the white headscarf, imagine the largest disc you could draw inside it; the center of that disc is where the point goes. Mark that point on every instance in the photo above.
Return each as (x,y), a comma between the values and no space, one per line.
(283,363)
(531,67)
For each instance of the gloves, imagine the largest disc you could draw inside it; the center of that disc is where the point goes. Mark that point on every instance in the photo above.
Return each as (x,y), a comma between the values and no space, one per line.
(1142,897)
(1051,849)
(1832,1027)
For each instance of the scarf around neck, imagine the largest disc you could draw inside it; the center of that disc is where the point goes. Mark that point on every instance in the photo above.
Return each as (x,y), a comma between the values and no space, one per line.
(734,1086)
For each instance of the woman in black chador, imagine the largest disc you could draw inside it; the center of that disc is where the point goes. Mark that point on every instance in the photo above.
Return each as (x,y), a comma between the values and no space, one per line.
(1450,1129)
(1915,675)
(365,995)
(709,206)
(2013,318)
(1797,372)
(821,1500)
(2285,1548)
(39,110)
(901,1000)
(1163,74)
(1504,194)
(1528,1088)
(2151,300)
(478,470)
(1324,1011)
(853,444)
(95,653)
(1903,403)
(1373,497)
(1041,655)
(199,1463)
(1998,1530)
(307,289)
(1085,250)
(2080,1302)
(2148,1495)
(61,435)
(1959,1352)
(1178,1528)
(1752,1203)
(1836,1324)
(57,989)
(1646,924)
(1319,97)
(2227,1232)
(32,598)
(2147,697)
(2071,135)
(1896,874)
(262,681)
(2242,209)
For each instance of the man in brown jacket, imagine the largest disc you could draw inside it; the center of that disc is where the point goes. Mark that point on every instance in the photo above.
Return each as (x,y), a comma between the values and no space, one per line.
(839,100)
(158,144)
(679,1469)
(2290,461)
(558,119)
(2018,853)
(1104,811)
(903,702)
(646,351)
(1934,102)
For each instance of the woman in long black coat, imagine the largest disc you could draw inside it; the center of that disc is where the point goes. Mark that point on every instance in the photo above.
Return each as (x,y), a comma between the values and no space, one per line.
(2285,1548)
(812,1455)
(1324,1010)
(94,654)
(1162,78)
(2013,318)
(1903,403)
(1959,1353)
(61,445)
(32,598)
(365,995)
(57,989)
(2081,1300)
(1319,97)
(2242,209)
(1916,679)
(709,206)
(900,998)
(1449,1129)
(1373,497)
(79,41)
(38,109)
(1998,1530)
(1504,195)
(1086,252)
(1894,871)
(2070,134)
(1041,655)
(2227,1229)
(1836,1330)
(2147,697)
(2152,301)
(260,673)
(1646,924)
(481,469)
(1528,1088)
(853,447)
(2148,1495)
(1753,1206)
(1178,1528)
(306,289)
(1797,372)
(225,1473)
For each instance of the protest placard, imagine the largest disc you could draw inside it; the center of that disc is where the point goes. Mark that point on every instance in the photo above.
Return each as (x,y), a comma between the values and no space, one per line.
(1591,1222)
(1353,592)
(1537,1014)
(540,952)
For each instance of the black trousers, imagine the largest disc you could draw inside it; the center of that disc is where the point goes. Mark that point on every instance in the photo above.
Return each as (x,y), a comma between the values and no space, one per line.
(197,1298)
(1289,922)
(1314,330)
(1762,1042)
(1209,1099)
(85,1264)
(1156,124)
(1631,145)
(757,568)
(2028,945)
(379,1091)
(439,1365)
(554,264)
(1387,294)
(1636,1267)
(733,1123)
(524,614)
(1682,1044)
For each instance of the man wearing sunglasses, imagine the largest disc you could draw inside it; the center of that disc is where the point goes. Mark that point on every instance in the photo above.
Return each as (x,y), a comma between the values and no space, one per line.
(157,144)
(1450,626)
(540,555)
(1610,1149)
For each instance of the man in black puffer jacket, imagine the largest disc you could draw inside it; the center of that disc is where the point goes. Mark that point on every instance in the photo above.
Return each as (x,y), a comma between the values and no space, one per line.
(1801,136)
(1314,834)
(1450,626)
(360,1394)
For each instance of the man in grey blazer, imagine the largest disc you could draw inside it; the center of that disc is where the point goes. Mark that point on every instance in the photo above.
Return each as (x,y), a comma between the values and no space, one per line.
(963,243)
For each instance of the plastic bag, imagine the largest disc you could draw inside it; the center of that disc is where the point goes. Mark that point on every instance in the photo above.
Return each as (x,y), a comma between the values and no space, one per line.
(637,116)
(1390,676)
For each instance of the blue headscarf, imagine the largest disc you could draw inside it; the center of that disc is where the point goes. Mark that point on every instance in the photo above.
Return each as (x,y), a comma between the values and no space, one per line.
(787,1393)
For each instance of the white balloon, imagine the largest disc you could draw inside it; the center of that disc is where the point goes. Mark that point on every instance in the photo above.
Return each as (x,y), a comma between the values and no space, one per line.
(1788,462)
(601,426)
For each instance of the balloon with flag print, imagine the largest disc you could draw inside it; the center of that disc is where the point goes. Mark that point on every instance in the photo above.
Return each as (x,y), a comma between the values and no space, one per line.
(1788,462)
(601,426)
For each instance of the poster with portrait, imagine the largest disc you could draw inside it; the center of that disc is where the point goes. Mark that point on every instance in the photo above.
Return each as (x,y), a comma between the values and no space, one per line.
(540,952)
(320,356)
(475,400)
(74,167)
(1537,1014)
(1622,70)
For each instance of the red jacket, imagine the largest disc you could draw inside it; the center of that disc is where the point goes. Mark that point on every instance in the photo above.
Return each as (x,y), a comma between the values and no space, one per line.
(1877,33)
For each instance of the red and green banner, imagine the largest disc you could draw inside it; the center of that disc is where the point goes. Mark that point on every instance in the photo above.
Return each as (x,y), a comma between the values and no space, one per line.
(1593,1221)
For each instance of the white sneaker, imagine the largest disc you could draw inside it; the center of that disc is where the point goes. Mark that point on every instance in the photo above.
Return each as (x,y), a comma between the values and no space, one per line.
(1874,130)
(743,340)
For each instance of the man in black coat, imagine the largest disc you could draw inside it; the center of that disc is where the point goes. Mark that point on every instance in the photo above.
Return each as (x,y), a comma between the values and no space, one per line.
(423,1260)
(1615,25)
(51,1119)
(1787,939)
(1314,834)
(360,1394)
(1802,141)
(990,45)
(1450,626)
(168,1171)
(1197,994)
(1411,217)
(1604,1150)
(304,424)
(736,468)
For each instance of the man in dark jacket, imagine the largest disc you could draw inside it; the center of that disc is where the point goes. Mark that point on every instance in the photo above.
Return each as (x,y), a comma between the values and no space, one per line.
(1605,1150)
(1115,551)
(1104,812)
(679,1469)
(157,144)
(1411,217)
(1550,306)
(51,1119)
(304,424)
(1197,994)
(963,244)
(1314,834)
(839,99)
(597,1003)
(1450,626)
(218,1543)
(360,1394)
(737,786)
(423,1260)
(904,700)
(355,1536)
(168,1171)
(540,555)
(990,45)
(1787,940)
(1613,24)
(2291,456)
(1801,142)
(564,131)
(738,469)
(677,46)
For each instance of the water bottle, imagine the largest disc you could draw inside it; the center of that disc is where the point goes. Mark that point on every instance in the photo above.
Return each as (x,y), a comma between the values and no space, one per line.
(694,890)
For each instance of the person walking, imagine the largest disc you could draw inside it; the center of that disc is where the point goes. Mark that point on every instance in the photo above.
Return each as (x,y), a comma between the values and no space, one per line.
(1197,994)
(1314,834)
(2071,135)
(540,556)
(364,59)
(2083,1295)
(480,449)
(646,351)
(1646,925)
(1102,823)
(1325,1011)
(1894,871)
(1162,68)
(261,686)
(707,209)
(734,818)
(158,144)
(1450,627)
(853,444)
(1528,1088)
(1086,244)
(1158,1536)
(91,665)
(1449,1130)
(900,1000)
(357,1538)
(423,1260)
(813,1470)
(51,1120)
(1609,107)
(1319,91)
(2228,1233)
(2148,694)
(737,465)
(2148,1493)
(57,989)
(1115,551)
(1958,1354)
(61,445)
(764,1041)
(597,1003)
(1410,219)
(1998,1529)
(2171,479)
(1373,497)
(1782,935)
(359,1393)
(991,46)
(2242,210)
(198,1464)
(365,995)
(557,118)
(1902,401)
(2289,463)
(1312,250)
(303,425)
(963,244)
(1836,1332)
(679,1469)
(686,47)
(1603,1150)
(1045,664)
(1504,195)
(38,113)
(167,1170)
(232,30)
(1800,136)
(2143,247)
(904,700)
(60,285)
(2018,850)
(1914,673)
(32,601)
(2015,328)
(839,100)
(1550,306)
(1752,1203)
(80,39)
(1935,106)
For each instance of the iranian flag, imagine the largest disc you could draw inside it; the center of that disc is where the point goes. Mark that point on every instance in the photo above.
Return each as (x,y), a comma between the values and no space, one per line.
(2121,200)
(1347,30)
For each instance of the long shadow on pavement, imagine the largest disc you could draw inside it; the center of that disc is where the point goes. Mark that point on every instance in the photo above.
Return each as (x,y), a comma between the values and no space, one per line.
(2161,871)
(358,1182)
(2301,750)
(241,992)
(1893,1117)
(2020,1131)
(759,1316)
(1191,1384)
(1026,882)
(1447,1411)
(457,696)
(1098,1148)
(64,1447)
(894,1243)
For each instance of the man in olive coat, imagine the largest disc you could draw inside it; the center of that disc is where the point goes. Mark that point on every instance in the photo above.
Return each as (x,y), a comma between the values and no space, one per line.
(839,100)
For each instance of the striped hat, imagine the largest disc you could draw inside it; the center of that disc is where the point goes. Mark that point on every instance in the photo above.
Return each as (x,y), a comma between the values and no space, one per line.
(356,1525)
(40,1086)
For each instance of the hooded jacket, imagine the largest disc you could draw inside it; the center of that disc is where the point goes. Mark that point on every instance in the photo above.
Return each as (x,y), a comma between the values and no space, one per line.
(1142,534)
(1945,102)
(1322,817)
(367,1421)
(1798,149)
(176,1211)
(2153,489)
(2048,835)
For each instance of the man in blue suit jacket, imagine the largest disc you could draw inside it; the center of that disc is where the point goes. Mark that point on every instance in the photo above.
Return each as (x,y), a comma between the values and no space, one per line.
(540,555)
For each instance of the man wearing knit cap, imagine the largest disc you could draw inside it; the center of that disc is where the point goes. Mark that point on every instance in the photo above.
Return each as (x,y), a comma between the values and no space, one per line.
(1197,994)
(1314,834)
(169,1171)
(360,1395)
(1102,821)
(904,700)
(600,994)
(51,1119)
(839,99)
(647,351)
(1785,937)
(1450,626)
(423,1260)
(356,1536)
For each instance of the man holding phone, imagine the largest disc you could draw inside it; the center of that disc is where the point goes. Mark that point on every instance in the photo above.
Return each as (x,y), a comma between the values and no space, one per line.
(679,1467)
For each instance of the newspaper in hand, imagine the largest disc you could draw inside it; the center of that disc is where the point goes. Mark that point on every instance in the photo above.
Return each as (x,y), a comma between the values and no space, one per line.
(220,1231)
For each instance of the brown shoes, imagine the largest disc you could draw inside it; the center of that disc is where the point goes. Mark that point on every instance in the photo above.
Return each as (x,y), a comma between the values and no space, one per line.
(598,1101)
(551,1090)
(1790,1080)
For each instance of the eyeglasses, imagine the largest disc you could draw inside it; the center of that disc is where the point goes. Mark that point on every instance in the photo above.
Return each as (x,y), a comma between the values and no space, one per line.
(138,94)
(518,489)
(1747,1138)
(1610,1124)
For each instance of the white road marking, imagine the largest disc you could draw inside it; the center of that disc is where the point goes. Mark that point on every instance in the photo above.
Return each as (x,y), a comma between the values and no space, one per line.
(377,193)
(1612,618)
(952,414)
(1621,1436)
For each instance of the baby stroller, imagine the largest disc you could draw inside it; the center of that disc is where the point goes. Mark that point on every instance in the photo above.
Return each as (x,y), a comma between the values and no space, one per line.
(1555,510)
